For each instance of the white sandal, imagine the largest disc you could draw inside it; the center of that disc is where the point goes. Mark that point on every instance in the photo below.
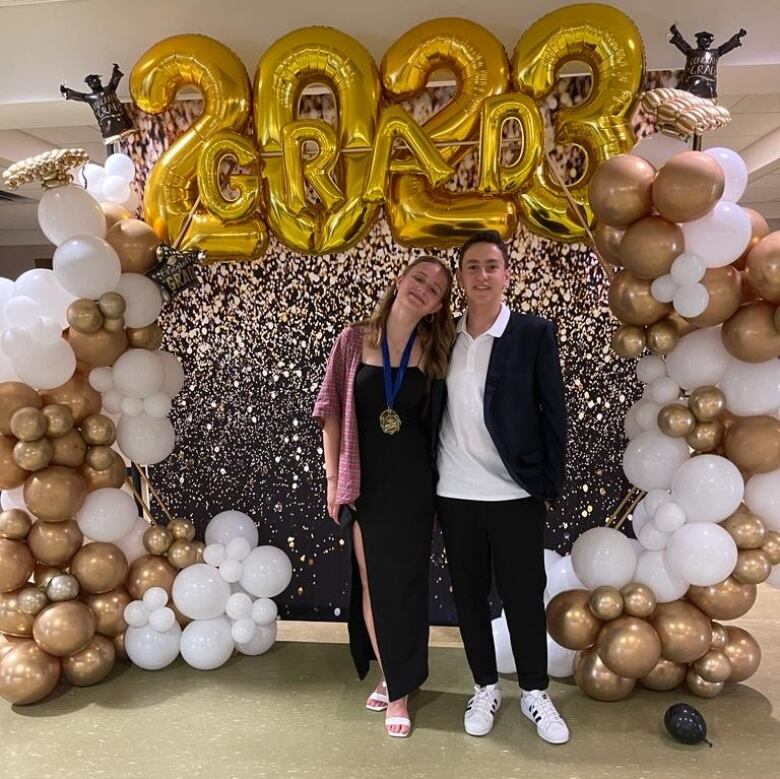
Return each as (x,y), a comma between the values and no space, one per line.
(379,698)
(405,721)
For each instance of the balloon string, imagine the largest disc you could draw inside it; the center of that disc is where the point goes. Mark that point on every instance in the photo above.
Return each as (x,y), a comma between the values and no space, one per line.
(605,266)
(635,498)
(146,508)
(155,494)
(613,515)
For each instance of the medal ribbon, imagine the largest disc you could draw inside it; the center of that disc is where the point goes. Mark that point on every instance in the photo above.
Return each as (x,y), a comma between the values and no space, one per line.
(393,387)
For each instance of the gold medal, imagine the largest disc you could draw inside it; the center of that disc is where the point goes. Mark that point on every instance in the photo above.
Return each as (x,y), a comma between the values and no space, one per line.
(389,421)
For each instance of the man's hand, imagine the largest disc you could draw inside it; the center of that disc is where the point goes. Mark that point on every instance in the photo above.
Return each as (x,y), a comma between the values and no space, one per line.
(548,504)
(333,507)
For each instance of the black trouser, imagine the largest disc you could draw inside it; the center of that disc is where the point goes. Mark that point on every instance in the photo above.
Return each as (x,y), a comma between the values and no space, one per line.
(507,536)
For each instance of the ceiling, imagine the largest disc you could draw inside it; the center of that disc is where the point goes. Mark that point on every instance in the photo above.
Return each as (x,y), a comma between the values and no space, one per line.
(85,36)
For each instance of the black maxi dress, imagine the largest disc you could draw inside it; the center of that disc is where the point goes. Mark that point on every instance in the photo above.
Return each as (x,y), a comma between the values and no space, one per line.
(395,513)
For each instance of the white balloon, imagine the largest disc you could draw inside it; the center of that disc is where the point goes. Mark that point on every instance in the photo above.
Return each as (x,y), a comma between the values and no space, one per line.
(42,285)
(688,269)
(652,458)
(231,571)
(131,407)
(561,577)
(699,359)
(46,367)
(631,426)
(115,189)
(121,165)
(199,592)
(762,495)
(658,149)
(264,611)
(734,169)
(132,543)
(243,631)
(132,202)
(653,571)
(550,558)
(207,644)
(691,300)
(708,488)
(155,598)
(173,371)
(151,650)
(14,499)
(640,516)
(267,572)
(17,343)
(146,440)
(95,176)
(21,312)
(663,289)
(142,297)
(669,517)
(107,515)
(603,556)
(560,661)
(654,499)
(721,236)
(505,660)
(162,620)
(112,402)
(136,614)
(65,212)
(647,415)
(214,554)
(138,373)
(100,379)
(702,553)
(45,331)
(752,388)
(650,368)
(238,548)
(7,372)
(157,405)
(774,577)
(264,639)
(87,266)
(239,606)
(650,537)
(228,525)
(664,390)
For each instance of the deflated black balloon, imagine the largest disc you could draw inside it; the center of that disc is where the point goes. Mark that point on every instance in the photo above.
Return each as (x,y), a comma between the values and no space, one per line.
(686,724)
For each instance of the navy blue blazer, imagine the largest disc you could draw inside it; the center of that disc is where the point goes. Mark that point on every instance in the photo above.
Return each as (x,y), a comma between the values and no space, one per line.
(524,406)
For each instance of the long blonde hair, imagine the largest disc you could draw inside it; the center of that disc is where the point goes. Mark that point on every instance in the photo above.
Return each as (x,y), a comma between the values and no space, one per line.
(436,336)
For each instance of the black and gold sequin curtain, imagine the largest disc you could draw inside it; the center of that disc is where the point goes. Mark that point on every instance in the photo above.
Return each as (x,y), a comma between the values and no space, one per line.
(254,338)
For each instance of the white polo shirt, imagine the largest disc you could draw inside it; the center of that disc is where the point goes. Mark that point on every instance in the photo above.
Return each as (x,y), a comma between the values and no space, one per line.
(470,467)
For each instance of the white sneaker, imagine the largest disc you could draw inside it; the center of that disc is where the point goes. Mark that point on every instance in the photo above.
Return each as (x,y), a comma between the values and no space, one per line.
(537,706)
(482,707)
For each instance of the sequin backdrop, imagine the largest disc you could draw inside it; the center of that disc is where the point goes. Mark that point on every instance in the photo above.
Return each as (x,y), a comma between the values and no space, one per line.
(254,338)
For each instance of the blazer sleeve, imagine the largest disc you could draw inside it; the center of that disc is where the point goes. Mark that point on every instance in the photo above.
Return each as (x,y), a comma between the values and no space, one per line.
(330,399)
(550,389)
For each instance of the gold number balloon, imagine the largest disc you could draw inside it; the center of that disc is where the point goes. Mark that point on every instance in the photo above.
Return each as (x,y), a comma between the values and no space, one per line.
(609,43)
(171,192)
(418,214)
(317,55)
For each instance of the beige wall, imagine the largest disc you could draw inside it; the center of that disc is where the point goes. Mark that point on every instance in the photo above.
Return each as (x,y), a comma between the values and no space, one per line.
(15,260)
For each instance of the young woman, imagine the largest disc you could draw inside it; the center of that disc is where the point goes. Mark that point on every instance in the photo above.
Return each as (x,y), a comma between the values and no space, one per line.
(374,409)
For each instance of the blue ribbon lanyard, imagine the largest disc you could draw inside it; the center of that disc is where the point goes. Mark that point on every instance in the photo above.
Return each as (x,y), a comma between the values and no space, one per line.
(392,388)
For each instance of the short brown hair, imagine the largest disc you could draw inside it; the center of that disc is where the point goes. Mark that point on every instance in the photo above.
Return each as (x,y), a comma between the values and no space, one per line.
(484,236)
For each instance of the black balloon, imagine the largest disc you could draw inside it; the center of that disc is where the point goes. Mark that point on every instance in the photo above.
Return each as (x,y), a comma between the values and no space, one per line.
(686,724)
(175,269)
(111,115)
(701,63)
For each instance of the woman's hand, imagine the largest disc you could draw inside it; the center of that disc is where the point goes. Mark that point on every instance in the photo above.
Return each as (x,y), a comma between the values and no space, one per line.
(333,507)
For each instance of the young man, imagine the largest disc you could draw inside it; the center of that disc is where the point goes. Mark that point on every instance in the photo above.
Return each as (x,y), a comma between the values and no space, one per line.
(500,461)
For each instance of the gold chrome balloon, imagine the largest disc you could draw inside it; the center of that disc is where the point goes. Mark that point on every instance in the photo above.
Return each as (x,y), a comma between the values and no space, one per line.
(54,494)
(98,430)
(182,529)
(597,681)
(570,621)
(182,553)
(747,530)
(628,341)
(84,316)
(720,636)
(772,546)
(92,664)
(609,43)
(685,632)
(55,543)
(28,424)
(69,450)
(665,676)
(113,476)
(13,396)
(33,455)
(135,243)
(631,301)
(707,403)
(676,420)
(62,629)
(714,667)
(750,335)
(115,325)
(706,436)
(662,337)
(14,620)
(638,600)
(147,572)
(701,687)
(111,304)
(606,603)
(109,610)
(688,186)
(762,267)
(27,674)
(728,600)
(98,349)
(62,588)
(11,475)
(743,652)
(149,337)
(100,458)
(114,213)
(753,566)
(77,395)
(119,646)
(31,601)
(16,564)
(759,230)
(607,239)
(753,444)
(725,289)
(629,647)
(14,524)
(99,567)
(650,246)
(157,540)
(59,419)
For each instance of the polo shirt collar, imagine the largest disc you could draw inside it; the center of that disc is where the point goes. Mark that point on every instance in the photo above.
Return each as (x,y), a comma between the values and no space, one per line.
(496,329)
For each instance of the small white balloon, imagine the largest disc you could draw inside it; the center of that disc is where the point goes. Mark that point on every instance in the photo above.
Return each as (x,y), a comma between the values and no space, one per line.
(652,459)
(699,359)
(264,611)
(238,548)
(752,389)
(112,402)
(669,517)
(550,558)
(505,660)
(65,212)
(132,407)
(652,571)
(146,440)
(214,554)
(207,644)
(132,202)
(691,300)
(199,592)
(115,189)
(267,572)
(107,515)
(120,165)
(561,577)
(734,169)
(173,372)
(21,312)
(640,516)
(243,631)
(16,343)
(46,367)
(650,368)
(762,495)
(654,499)
(688,269)
(664,390)
(157,405)
(143,299)
(138,373)
(87,266)
(162,620)
(721,236)
(708,488)
(603,556)
(132,543)
(231,570)
(151,650)
(702,553)
(100,379)
(239,606)
(647,415)
(228,525)
(136,614)
(264,639)
(650,537)
(46,331)
(95,176)
(631,426)
(155,598)
(560,661)
(663,289)
(42,286)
